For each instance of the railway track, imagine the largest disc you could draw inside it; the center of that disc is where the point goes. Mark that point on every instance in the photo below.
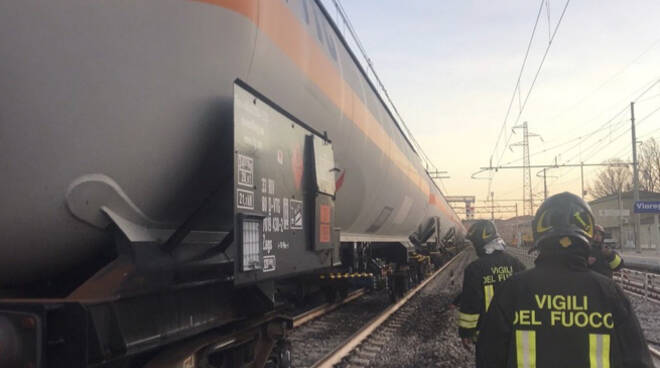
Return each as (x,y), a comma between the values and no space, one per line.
(654,349)
(365,344)
(642,284)
(323,309)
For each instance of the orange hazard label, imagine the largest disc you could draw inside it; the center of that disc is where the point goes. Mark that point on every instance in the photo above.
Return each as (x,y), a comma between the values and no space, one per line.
(325,214)
(324,233)
(297,166)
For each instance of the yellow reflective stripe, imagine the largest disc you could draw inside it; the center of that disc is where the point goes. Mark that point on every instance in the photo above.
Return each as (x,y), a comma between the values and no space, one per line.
(606,351)
(488,295)
(466,320)
(615,262)
(526,348)
(466,324)
(599,351)
(468,317)
(593,351)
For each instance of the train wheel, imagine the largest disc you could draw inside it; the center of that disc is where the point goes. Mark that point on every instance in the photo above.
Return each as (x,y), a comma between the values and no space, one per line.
(330,294)
(406,283)
(343,292)
(414,275)
(400,284)
(302,293)
(392,288)
(280,357)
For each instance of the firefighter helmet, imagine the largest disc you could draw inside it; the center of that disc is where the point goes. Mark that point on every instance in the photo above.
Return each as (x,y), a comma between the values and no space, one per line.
(482,232)
(599,229)
(564,217)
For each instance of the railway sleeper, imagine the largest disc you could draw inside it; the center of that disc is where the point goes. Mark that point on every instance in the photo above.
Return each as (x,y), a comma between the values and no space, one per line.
(367,354)
(370,348)
(359,361)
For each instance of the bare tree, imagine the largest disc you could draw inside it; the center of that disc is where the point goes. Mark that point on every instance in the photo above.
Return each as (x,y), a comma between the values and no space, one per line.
(649,166)
(611,180)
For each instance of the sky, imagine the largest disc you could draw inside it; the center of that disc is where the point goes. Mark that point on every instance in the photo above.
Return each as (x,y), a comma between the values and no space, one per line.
(451,69)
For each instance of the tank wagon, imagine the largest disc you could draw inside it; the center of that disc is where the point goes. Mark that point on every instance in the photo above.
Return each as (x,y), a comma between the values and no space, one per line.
(173,170)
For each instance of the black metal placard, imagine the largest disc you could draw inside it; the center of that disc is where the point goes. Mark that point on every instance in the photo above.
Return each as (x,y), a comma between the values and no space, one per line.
(270,184)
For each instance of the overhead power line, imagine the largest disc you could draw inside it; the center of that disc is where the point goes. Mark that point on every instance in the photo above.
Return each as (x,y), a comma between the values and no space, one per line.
(649,134)
(596,146)
(608,80)
(520,73)
(647,90)
(633,96)
(580,138)
(648,115)
(536,75)
(531,88)
(545,54)
(648,98)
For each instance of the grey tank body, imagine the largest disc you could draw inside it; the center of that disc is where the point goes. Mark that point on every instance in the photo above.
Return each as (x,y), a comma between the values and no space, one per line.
(139,93)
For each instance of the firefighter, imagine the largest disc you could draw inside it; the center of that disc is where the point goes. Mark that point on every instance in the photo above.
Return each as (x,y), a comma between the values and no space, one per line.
(559,314)
(482,277)
(601,258)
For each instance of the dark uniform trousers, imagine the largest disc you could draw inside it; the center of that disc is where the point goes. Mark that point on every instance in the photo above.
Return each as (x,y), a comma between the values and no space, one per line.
(560,314)
(481,280)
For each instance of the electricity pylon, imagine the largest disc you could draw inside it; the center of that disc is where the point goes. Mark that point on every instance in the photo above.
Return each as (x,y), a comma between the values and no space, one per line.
(527,172)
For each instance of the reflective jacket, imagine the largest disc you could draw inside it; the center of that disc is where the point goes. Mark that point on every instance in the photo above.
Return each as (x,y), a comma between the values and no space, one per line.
(561,314)
(603,264)
(480,281)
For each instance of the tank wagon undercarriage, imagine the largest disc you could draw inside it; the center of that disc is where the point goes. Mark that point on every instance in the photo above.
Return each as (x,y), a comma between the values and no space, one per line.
(186,298)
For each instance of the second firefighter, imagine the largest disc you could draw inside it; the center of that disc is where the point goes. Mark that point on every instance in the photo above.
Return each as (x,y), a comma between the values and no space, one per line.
(483,277)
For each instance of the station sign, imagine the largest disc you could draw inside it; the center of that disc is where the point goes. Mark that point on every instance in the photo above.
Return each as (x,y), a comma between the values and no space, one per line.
(647,207)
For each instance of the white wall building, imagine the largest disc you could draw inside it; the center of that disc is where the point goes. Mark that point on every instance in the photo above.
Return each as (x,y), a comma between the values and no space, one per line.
(615,213)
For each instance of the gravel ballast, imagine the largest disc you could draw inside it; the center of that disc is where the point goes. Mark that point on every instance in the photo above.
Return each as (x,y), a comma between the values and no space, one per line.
(429,337)
(313,340)
(647,313)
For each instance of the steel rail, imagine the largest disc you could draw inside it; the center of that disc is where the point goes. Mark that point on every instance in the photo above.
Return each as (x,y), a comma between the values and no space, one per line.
(336,355)
(638,283)
(322,309)
(655,352)
(640,296)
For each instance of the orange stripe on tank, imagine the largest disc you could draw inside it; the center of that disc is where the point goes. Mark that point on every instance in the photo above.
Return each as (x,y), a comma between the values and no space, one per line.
(285,30)
(247,8)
